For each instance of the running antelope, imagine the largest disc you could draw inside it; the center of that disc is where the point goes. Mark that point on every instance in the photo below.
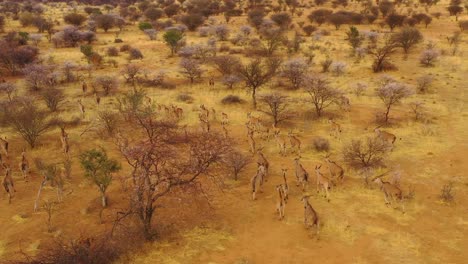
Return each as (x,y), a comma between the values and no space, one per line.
(224,119)
(97,98)
(281,202)
(251,141)
(257,178)
(264,162)
(335,129)
(204,111)
(386,137)
(335,170)
(64,140)
(310,215)
(84,87)
(82,108)
(281,141)
(4,146)
(7,182)
(253,121)
(178,112)
(295,142)
(391,192)
(322,181)
(204,122)
(302,176)
(24,165)
(285,185)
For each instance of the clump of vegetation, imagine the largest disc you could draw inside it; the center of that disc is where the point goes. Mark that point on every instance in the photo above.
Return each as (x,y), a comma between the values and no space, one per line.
(99,169)
(232,99)
(446,194)
(365,153)
(186,98)
(321,144)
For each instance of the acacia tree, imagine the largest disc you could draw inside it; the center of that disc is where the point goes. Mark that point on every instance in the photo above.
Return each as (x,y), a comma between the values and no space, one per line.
(407,38)
(381,56)
(276,107)
(322,95)
(174,40)
(257,73)
(391,94)
(295,70)
(26,120)
(162,158)
(237,162)
(191,68)
(273,38)
(98,169)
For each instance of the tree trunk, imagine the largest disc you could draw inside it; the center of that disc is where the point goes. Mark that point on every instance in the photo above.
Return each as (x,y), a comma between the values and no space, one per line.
(147,230)
(103,199)
(254,98)
(387,114)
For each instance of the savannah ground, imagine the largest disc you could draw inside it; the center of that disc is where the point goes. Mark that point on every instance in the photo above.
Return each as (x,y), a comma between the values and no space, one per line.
(227,226)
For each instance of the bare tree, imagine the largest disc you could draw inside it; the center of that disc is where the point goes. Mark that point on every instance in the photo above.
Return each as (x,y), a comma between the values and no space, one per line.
(381,56)
(191,68)
(257,73)
(322,95)
(276,107)
(226,64)
(392,94)
(27,120)
(131,72)
(8,89)
(107,83)
(162,158)
(237,162)
(53,97)
(365,153)
(295,70)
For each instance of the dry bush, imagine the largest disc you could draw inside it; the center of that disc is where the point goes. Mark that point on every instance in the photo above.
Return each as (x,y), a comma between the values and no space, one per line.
(365,153)
(338,68)
(186,98)
(276,106)
(112,52)
(423,83)
(27,120)
(232,99)
(53,97)
(236,162)
(359,88)
(446,193)
(135,54)
(429,57)
(321,144)
(107,83)
(109,122)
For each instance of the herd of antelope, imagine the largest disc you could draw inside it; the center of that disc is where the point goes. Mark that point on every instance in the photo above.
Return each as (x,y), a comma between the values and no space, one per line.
(24,164)
(329,173)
